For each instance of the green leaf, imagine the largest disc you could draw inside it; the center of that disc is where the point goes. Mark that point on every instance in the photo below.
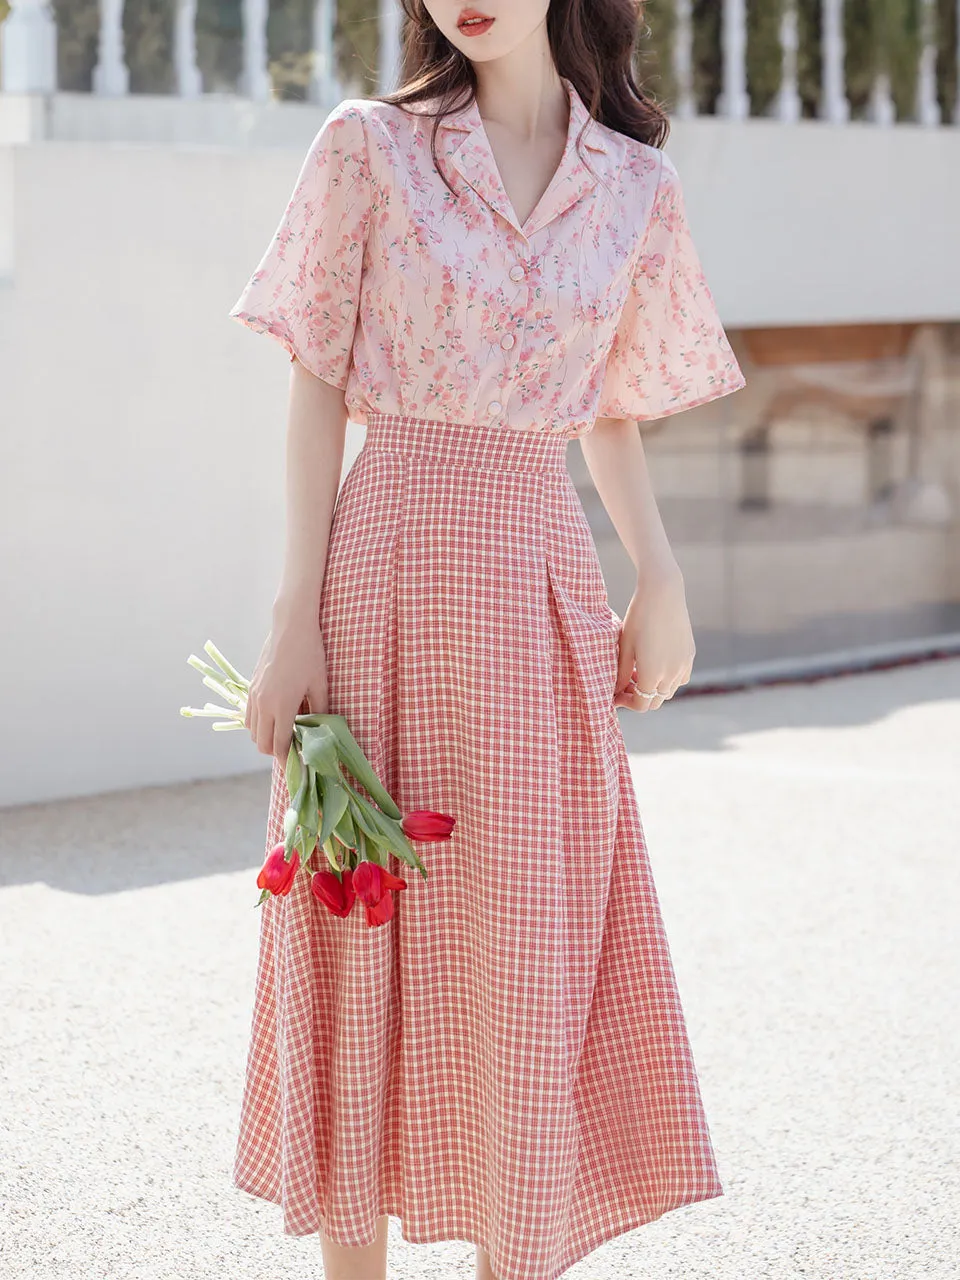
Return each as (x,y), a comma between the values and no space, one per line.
(399,842)
(308,842)
(294,769)
(346,830)
(331,856)
(390,827)
(309,816)
(320,750)
(369,830)
(291,817)
(334,806)
(317,793)
(358,764)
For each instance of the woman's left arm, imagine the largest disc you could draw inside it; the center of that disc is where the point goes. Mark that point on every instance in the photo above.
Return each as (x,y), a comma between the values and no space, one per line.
(656,641)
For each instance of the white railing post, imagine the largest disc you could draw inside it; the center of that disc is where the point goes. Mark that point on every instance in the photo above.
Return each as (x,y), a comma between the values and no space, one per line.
(734,101)
(882,108)
(324,88)
(388,58)
(834,104)
(788,106)
(28,45)
(111,77)
(686,105)
(927,106)
(189,80)
(255,78)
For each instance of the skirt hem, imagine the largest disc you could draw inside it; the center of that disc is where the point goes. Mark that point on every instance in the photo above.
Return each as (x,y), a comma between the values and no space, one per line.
(611,1229)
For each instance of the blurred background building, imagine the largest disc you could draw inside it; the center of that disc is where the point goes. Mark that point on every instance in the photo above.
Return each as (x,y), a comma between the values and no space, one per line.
(147,148)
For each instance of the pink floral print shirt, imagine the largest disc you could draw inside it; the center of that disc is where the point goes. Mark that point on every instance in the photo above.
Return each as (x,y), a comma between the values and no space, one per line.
(417,301)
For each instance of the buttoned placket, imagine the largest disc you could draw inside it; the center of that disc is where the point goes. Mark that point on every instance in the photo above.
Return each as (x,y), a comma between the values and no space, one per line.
(475,162)
(518,274)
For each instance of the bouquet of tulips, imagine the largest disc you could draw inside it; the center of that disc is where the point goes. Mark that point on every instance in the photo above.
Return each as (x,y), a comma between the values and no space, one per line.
(356,832)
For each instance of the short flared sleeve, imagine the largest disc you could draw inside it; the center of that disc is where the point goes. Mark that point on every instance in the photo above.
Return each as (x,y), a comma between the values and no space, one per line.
(306,290)
(669,351)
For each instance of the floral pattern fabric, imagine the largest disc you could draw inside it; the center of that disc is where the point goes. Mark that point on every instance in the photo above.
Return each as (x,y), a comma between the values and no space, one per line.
(420,301)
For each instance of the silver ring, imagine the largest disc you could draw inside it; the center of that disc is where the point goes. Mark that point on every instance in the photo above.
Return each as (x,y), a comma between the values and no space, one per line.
(656,694)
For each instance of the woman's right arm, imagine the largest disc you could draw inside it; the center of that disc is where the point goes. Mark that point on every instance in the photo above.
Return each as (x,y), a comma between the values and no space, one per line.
(292,664)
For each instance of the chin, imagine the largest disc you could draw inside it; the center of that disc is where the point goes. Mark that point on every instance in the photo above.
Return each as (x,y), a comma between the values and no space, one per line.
(480,48)
(484,56)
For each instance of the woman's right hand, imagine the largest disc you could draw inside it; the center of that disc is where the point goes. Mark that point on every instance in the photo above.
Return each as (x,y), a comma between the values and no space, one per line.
(291,670)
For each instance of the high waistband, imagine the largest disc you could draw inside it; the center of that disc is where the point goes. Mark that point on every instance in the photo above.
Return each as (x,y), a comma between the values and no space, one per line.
(466,443)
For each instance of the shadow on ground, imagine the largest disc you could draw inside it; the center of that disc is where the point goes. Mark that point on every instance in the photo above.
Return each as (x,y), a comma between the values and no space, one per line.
(138,838)
(708,721)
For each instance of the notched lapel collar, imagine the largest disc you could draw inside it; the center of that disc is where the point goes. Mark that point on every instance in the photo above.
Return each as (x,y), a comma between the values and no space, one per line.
(474,160)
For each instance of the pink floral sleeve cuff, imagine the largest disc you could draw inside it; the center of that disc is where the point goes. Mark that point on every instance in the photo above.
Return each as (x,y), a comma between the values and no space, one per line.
(670,351)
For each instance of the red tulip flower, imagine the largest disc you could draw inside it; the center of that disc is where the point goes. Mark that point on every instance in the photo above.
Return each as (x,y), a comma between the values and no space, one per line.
(277,873)
(336,894)
(382,912)
(424,824)
(373,883)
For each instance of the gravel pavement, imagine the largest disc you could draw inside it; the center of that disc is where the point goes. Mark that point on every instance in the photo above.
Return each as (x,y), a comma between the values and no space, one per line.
(805,843)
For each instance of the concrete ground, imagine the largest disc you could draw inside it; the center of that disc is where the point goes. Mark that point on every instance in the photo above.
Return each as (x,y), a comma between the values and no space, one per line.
(805,841)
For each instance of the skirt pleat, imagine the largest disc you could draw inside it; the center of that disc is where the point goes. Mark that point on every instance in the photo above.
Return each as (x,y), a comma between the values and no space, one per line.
(506,1061)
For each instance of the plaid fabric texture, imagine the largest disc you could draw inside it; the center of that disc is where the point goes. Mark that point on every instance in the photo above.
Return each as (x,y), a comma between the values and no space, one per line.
(506,1061)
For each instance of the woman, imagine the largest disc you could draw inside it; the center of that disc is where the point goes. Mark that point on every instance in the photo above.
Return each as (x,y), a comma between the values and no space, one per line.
(479,268)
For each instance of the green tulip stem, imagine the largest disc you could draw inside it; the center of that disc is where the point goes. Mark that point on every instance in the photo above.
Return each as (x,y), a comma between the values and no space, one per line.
(204,668)
(235,712)
(224,665)
(362,801)
(224,692)
(209,709)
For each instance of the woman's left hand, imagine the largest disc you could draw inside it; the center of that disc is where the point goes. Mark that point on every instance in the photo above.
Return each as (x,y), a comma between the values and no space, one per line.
(656,643)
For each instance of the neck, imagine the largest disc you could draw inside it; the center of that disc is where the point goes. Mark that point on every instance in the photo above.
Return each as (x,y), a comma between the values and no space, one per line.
(523,95)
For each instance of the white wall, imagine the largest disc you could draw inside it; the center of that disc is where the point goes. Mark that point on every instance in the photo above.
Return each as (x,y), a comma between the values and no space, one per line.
(815,223)
(141,430)
(141,468)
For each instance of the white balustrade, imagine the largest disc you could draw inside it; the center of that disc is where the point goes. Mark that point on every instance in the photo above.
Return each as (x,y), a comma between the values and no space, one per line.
(928,108)
(187,73)
(255,80)
(787,106)
(686,106)
(734,101)
(111,78)
(324,88)
(882,109)
(28,48)
(388,62)
(28,45)
(834,104)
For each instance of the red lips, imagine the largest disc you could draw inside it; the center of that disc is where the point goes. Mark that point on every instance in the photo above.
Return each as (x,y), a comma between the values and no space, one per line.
(472,18)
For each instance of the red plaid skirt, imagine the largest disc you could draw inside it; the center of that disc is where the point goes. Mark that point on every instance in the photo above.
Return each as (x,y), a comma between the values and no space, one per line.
(505,1061)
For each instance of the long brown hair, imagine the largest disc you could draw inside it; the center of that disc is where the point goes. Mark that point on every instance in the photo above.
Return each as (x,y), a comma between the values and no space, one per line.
(592,43)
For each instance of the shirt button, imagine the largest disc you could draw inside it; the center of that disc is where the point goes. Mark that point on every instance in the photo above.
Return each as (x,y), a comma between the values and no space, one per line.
(517,272)
(494,407)
(507,341)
